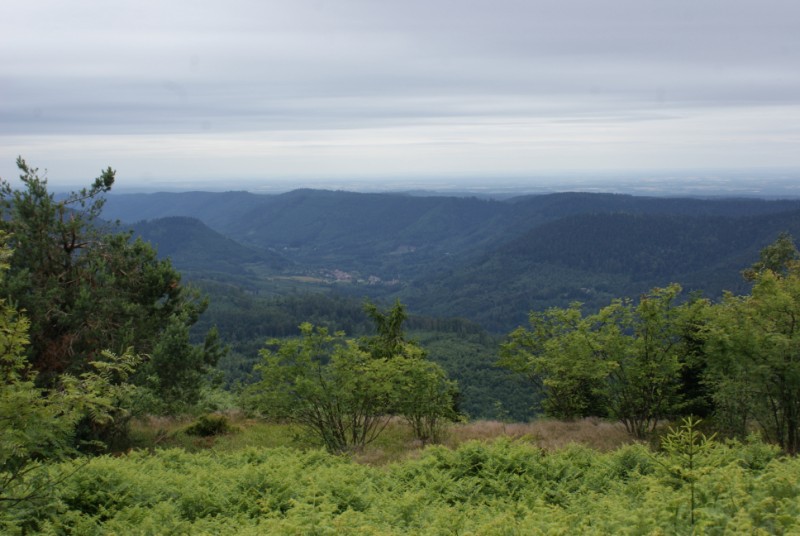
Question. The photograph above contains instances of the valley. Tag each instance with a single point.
(484, 260)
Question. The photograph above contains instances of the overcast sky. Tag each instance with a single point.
(306, 91)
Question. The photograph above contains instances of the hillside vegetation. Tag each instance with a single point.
(217, 418)
(276, 261)
(488, 261)
(694, 486)
(196, 248)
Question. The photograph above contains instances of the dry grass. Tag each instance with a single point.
(545, 433)
(396, 443)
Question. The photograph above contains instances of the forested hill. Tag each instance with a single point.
(303, 215)
(559, 205)
(388, 234)
(594, 258)
(214, 208)
(489, 261)
(195, 247)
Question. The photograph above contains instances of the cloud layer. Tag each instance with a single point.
(315, 89)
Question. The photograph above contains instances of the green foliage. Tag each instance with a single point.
(649, 345)
(776, 257)
(558, 357)
(30, 428)
(210, 425)
(423, 395)
(47, 241)
(480, 488)
(754, 361)
(389, 340)
(328, 385)
(485, 391)
(345, 391)
(86, 289)
(689, 454)
(624, 361)
(38, 425)
(466, 352)
(176, 370)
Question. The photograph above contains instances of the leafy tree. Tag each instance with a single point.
(624, 361)
(39, 425)
(557, 355)
(648, 346)
(87, 289)
(389, 339)
(344, 391)
(326, 384)
(753, 343)
(424, 396)
(776, 257)
(176, 370)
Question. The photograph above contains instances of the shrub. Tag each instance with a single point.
(210, 425)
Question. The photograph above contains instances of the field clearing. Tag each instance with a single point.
(395, 444)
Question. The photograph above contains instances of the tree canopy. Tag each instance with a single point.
(39, 424)
(625, 361)
(753, 343)
(344, 391)
(737, 360)
(87, 288)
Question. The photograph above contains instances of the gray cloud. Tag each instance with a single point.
(239, 68)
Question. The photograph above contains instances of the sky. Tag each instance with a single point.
(245, 93)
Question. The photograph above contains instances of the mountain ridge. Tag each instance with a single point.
(486, 260)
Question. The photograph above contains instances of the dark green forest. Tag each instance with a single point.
(487, 261)
(337, 320)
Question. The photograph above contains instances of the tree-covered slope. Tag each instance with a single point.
(397, 233)
(194, 247)
(490, 261)
(215, 209)
(386, 234)
(382, 234)
(594, 258)
(559, 205)
(648, 246)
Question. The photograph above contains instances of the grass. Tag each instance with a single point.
(396, 443)
(170, 432)
(547, 434)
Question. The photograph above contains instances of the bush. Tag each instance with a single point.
(210, 425)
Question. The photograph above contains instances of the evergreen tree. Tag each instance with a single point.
(38, 425)
(87, 289)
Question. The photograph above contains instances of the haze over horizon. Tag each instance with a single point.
(441, 95)
(778, 184)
